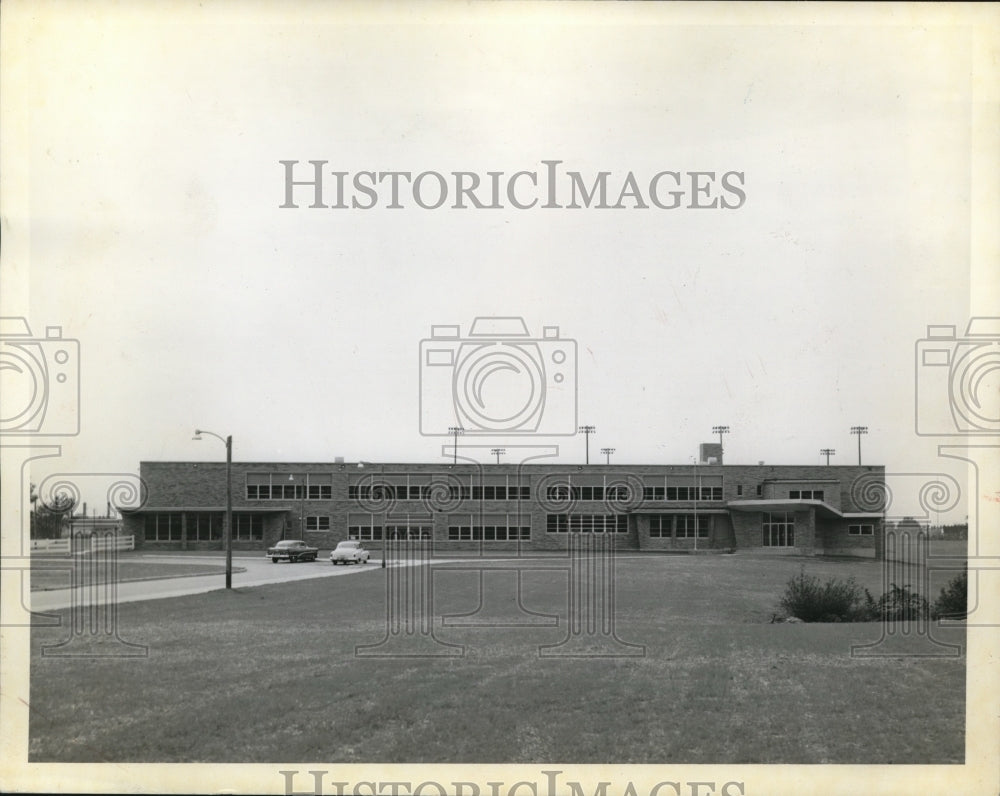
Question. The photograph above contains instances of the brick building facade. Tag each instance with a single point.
(832, 510)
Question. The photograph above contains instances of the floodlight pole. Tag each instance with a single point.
(720, 430)
(587, 431)
(455, 431)
(607, 454)
(828, 452)
(228, 441)
(859, 430)
(498, 452)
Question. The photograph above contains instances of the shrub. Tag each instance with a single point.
(900, 604)
(834, 601)
(953, 601)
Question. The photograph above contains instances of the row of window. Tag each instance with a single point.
(586, 523)
(564, 492)
(426, 491)
(561, 492)
(167, 526)
(289, 492)
(678, 526)
(377, 532)
(682, 493)
(487, 533)
(778, 528)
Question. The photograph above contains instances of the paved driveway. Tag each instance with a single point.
(259, 572)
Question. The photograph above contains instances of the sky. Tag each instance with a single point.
(149, 228)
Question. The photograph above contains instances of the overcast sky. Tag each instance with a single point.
(152, 231)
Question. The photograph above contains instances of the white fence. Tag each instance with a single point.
(92, 545)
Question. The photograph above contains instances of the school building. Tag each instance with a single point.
(804, 509)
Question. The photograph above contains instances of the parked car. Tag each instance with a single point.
(292, 550)
(349, 552)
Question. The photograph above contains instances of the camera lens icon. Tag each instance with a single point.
(958, 380)
(975, 387)
(39, 381)
(498, 380)
(499, 388)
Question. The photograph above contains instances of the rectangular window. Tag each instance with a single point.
(620, 493)
(408, 531)
(686, 525)
(864, 529)
(317, 523)
(248, 527)
(653, 493)
(258, 486)
(778, 529)
(659, 526)
(203, 527)
(163, 527)
(364, 532)
(739, 490)
(805, 494)
(557, 493)
(760, 490)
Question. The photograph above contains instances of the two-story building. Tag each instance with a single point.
(805, 509)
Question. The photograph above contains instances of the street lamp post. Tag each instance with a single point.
(697, 489)
(607, 454)
(859, 430)
(379, 486)
(828, 452)
(587, 431)
(228, 442)
(455, 431)
(302, 505)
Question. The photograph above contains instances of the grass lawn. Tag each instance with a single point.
(270, 674)
(53, 572)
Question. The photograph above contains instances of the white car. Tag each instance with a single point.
(349, 552)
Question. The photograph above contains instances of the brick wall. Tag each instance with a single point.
(175, 486)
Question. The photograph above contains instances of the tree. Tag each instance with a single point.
(49, 518)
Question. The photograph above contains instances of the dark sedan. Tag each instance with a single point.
(292, 550)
